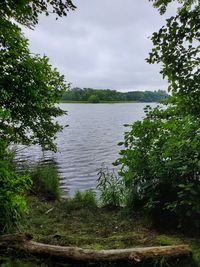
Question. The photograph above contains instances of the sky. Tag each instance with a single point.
(103, 44)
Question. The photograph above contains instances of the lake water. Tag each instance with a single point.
(90, 140)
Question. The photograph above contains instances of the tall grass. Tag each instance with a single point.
(85, 199)
(112, 188)
(46, 181)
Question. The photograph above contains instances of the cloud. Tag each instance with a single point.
(103, 44)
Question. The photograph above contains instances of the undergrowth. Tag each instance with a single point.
(80, 222)
(45, 179)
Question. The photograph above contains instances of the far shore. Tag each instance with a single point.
(102, 102)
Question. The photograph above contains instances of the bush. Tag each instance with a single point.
(161, 165)
(12, 189)
(112, 189)
(46, 181)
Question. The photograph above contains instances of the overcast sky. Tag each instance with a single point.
(102, 44)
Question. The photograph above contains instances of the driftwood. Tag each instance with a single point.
(134, 255)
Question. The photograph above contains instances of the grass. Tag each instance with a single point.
(46, 181)
(82, 200)
(80, 222)
(70, 223)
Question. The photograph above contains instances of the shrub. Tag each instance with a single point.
(161, 165)
(12, 189)
(111, 186)
(46, 181)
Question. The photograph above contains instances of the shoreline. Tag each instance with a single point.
(104, 102)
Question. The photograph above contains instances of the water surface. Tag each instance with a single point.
(90, 140)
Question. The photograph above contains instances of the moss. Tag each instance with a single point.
(165, 240)
(196, 254)
(195, 247)
(21, 261)
(194, 244)
(86, 225)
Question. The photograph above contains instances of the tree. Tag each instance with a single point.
(162, 4)
(176, 46)
(78, 94)
(29, 90)
(160, 163)
(29, 86)
(93, 99)
(27, 12)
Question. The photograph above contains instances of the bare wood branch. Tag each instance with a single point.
(22, 242)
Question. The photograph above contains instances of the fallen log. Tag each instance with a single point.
(135, 255)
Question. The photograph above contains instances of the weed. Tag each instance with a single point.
(111, 187)
(46, 181)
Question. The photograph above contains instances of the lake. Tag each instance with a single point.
(89, 141)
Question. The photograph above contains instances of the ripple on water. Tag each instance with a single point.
(90, 140)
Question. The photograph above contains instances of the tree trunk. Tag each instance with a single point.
(135, 255)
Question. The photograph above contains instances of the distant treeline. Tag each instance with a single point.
(98, 95)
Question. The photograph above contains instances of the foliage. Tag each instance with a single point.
(112, 188)
(29, 89)
(162, 4)
(12, 188)
(93, 99)
(196, 255)
(161, 163)
(28, 83)
(27, 12)
(176, 46)
(99, 95)
(11, 262)
(46, 181)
